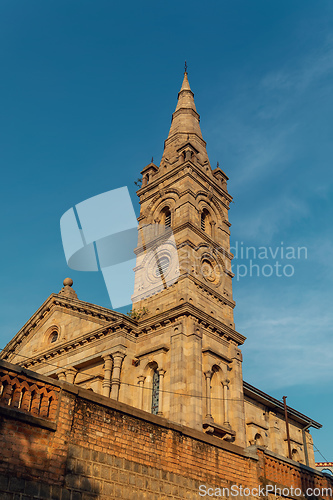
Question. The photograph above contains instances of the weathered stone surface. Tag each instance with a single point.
(91, 431)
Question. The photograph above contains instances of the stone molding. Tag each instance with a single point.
(163, 348)
(221, 356)
(261, 425)
(78, 307)
(109, 403)
(203, 179)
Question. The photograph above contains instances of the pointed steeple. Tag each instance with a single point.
(185, 125)
(186, 96)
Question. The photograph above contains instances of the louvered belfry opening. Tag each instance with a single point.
(203, 221)
(168, 218)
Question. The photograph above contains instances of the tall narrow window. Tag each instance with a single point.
(203, 221)
(166, 217)
(155, 392)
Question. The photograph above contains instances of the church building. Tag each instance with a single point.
(177, 354)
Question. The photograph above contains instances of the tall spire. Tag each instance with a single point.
(185, 124)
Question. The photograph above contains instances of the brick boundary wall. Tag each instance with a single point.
(78, 445)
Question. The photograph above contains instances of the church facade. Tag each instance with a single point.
(178, 354)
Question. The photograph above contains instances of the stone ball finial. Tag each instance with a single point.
(68, 282)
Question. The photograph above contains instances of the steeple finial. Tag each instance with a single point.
(185, 124)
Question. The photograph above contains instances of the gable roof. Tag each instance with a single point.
(254, 393)
(70, 305)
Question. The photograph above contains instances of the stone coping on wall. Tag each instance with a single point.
(250, 452)
(128, 410)
(27, 418)
(288, 461)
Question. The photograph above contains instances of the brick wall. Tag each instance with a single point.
(77, 445)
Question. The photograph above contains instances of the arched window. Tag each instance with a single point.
(54, 337)
(52, 334)
(166, 217)
(295, 455)
(155, 392)
(205, 221)
(258, 440)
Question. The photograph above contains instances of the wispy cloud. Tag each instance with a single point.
(259, 126)
(261, 223)
(309, 70)
(291, 344)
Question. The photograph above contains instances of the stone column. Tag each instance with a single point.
(208, 376)
(141, 380)
(115, 381)
(107, 375)
(161, 373)
(70, 375)
(225, 385)
(213, 226)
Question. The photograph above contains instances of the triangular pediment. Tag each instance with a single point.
(58, 321)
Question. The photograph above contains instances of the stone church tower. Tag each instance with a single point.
(203, 362)
(177, 354)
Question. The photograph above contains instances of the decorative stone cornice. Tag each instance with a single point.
(203, 236)
(261, 425)
(186, 309)
(207, 180)
(154, 350)
(252, 393)
(220, 355)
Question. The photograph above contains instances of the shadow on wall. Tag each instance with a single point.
(34, 457)
(26, 464)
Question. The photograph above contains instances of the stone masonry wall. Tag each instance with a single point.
(59, 442)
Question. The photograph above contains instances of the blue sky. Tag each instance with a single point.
(87, 90)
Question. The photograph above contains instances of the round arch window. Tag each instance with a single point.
(53, 337)
(166, 217)
(52, 334)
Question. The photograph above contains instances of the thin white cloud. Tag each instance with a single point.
(258, 125)
(310, 69)
(274, 215)
(292, 344)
